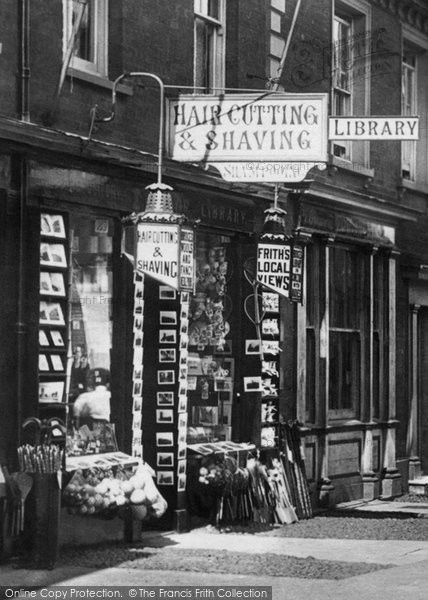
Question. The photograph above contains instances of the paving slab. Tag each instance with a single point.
(415, 509)
(397, 552)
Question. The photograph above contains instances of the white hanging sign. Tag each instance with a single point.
(158, 250)
(248, 127)
(373, 128)
(269, 172)
(273, 267)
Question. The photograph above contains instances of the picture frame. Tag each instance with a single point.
(253, 347)
(167, 355)
(270, 302)
(165, 459)
(208, 415)
(165, 477)
(138, 324)
(253, 384)
(165, 398)
(270, 347)
(164, 439)
(167, 293)
(168, 317)
(53, 255)
(182, 467)
(43, 363)
(52, 225)
(164, 416)
(57, 338)
(137, 388)
(166, 377)
(182, 405)
(224, 384)
(182, 420)
(182, 451)
(57, 285)
(51, 314)
(45, 284)
(137, 404)
(181, 484)
(43, 338)
(138, 355)
(138, 373)
(167, 336)
(57, 363)
(51, 391)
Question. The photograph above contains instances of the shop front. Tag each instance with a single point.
(184, 382)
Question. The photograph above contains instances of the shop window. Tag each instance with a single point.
(90, 300)
(408, 148)
(90, 38)
(210, 358)
(347, 309)
(209, 45)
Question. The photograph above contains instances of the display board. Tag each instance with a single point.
(53, 313)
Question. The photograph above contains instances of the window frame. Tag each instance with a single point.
(99, 43)
(215, 78)
(339, 92)
(408, 148)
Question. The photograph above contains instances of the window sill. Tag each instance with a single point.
(414, 185)
(354, 167)
(99, 81)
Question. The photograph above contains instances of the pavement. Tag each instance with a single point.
(405, 578)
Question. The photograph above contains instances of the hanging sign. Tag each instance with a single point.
(248, 127)
(272, 172)
(273, 267)
(157, 255)
(373, 128)
(296, 290)
(187, 264)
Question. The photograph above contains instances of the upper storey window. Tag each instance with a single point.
(85, 28)
(209, 45)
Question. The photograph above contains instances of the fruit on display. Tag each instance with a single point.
(98, 490)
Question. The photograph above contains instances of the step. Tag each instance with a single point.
(419, 486)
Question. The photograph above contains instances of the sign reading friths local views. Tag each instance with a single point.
(248, 127)
(157, 255)
(373, 128)
(273, 267)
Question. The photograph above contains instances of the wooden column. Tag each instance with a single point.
(322, 407)
(391, 483)
(413, 441)
(370, 480)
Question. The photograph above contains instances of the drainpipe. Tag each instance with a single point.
(24, 73)
(24, 109)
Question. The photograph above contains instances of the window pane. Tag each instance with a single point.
(91, 298)
(345, 289)
(344, 386)
(84, 43)
(310, 375)
(204, 37)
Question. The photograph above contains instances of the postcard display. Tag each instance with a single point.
(270, 369)
(54, 268)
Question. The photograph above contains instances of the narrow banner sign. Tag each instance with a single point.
(273, 267)
(187, 266)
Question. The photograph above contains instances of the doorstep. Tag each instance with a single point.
(419, 486)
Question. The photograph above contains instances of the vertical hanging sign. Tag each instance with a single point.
(296, 291)
(187, 266)
(158, 248)
(274, 267)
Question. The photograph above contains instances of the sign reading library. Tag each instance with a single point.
(248, 127)
(273, 267)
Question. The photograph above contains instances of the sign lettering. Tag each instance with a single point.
(273, 267)
(259, 127)
(158, 251)
(374, 128)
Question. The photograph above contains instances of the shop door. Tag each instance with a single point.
(423, 390)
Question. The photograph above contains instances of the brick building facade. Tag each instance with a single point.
(351, 368)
